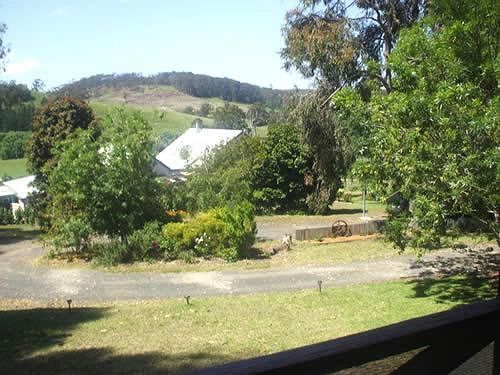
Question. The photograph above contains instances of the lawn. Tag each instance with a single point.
(349, 211)
(171, 336)
(13, 168)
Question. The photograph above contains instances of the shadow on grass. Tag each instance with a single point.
(104, 361)
(457, 289)
(11, 234)
(467, 278)
(255, 253)
(345, 211)
(23, 332)
(467, 262)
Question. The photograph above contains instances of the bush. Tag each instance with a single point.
(344, 195)
(347, 196)
(18, 216)
(6, 216)
(144, 244)
(221, 232)
(75, 234)
(13, 144)
(111, 253)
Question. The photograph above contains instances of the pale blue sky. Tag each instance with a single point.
(61, 40)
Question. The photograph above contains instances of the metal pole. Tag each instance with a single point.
(364, 202)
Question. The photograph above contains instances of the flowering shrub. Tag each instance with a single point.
(221, 232)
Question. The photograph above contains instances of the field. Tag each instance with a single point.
(13, 168)
(171, 336)
(161, 97)
(161, 121)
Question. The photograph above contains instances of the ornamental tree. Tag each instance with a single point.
(108, 183)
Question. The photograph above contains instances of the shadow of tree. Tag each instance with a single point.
(345, 211)
(255, 253)
(460, 290)
(480, 262)
(23, 333)
(11, 234)
(104, 361)
(465, 277)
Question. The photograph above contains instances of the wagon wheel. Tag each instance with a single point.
(340, 228)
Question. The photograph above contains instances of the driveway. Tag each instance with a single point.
(20, 279)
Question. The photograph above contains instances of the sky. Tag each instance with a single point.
(63, 40)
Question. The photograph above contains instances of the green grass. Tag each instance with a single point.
(170, 336)
(163, 96)
(13, 168)
(301, 254)
(171, 122)
(262, 131)
(349, 211)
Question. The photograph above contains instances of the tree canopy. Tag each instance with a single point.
(54, 122)
(341, 43)
(436, 135)
(230, 116)
(107, 183)
(198, 85)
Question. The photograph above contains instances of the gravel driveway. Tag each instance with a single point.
(20, 279)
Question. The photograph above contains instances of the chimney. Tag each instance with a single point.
(198, 124)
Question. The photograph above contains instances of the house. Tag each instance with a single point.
(188, 150)
(15, 192)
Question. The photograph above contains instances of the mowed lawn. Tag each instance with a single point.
(13, 168)
(171, 336)
(351, 212)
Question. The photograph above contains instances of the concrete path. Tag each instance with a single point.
(19, 279)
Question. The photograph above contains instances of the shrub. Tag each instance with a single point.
(221, 232)
(347, 196)
(239, 230)
(110, 253)
(13, 144)
(200, 235)
(6, 216)
(74, 233)
(18, 216)
(144, 244)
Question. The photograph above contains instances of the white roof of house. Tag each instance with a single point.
(21, 186)
(190, 146)
(5, 191)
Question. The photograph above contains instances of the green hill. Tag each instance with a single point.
(13, 168)
(163, 119)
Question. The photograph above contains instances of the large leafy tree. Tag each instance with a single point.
(344, 46)
(257, 115)
(341, 42)
(109, 183)
(16, 107)
(230, 116)
(226, 174)
(437, 134)
(284, 178)
(53, 123)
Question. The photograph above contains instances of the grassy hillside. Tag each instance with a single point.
(13, 168)
(162, 121)
(161, 97)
